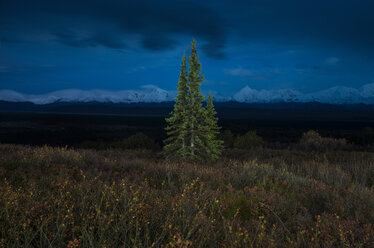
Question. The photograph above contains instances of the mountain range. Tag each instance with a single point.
(151, 93)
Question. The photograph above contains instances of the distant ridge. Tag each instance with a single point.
(148, 94)
(153, 94)
(334, 95)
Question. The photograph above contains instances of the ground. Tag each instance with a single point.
(289, 197)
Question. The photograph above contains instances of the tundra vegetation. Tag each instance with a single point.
(257, 197)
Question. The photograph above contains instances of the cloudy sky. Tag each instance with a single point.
(118, 44)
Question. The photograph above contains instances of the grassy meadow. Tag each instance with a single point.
(261, 197)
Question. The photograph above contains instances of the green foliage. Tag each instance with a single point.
(248, 141)
(312, 140)
(196, 114)
(213, 144)
(176, 143)
(192, 129)
(242, 206)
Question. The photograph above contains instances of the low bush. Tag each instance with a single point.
(248, 141)
(137, 141)
(312, 140)
(60, 197)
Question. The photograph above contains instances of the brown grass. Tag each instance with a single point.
(59, 197)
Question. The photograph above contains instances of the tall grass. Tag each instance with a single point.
(59, 197)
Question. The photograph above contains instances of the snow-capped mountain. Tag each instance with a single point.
(265, 96)
(151, 93)
(148, 93)
(12, 96)
(334, 95)
(367, 92)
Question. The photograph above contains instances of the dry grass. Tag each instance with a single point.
(58, 197)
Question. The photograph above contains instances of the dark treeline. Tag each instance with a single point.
(281, 126)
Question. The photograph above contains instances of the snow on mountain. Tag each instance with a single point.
(334, 95)
(344, 95)
(250, 95)
(155, 94)
(247, 95)
(11, 96)
(151, 93)
(367, 92)
(217, 97)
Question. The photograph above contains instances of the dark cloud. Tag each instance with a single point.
(346, 24)
(214, 50)
(70, 39)
(5, 39)
(107, 40)
(157, 43)
(311, 42)
(166, 19)
(73, 39)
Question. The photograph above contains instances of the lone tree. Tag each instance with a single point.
(192, 129)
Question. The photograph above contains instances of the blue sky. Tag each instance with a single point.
(115, 45)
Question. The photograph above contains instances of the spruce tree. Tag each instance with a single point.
(176, 143)
(214, 145)
(194, 118)
(192, 129)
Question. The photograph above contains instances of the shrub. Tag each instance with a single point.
(228, 138)
(366, 136)
(248, 141)
(137, 141)
(368, 130)
(97, 145)
(272, 198)
(311, 137)
(312, 140)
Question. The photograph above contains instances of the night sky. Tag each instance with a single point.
(48, 45)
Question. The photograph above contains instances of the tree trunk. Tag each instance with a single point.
(192, 145)
(192, 142)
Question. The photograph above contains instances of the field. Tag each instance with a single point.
(277, 194)
(59, 197)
